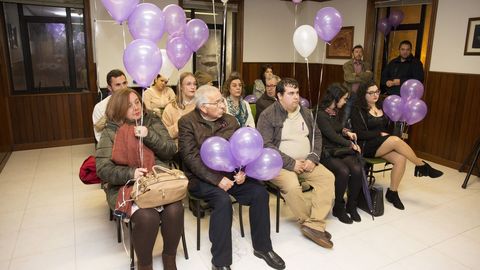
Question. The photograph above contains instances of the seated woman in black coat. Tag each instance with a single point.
(347, 168)
(370, 124)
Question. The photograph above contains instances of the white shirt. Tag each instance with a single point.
(98, 113)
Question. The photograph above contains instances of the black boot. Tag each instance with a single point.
(352, 210)
(339, 212)
(392, 196)
(427, 170)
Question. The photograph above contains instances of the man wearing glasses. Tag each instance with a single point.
(215, 187)
(289, 128)
(267, 98)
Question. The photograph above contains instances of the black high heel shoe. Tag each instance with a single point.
(340, 213)
(427, 170)
(392, 196)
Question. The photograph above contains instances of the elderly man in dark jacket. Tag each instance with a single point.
(215, 187)
(289, 128)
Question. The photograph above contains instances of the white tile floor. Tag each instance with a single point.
(50, 220)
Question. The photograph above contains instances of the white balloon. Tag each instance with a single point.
(167, 66)
(305, 40)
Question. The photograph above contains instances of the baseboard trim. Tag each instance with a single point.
(3, 160)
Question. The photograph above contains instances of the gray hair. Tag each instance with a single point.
(202, 93)
(273, 77)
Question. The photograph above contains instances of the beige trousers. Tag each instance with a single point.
(309, 214)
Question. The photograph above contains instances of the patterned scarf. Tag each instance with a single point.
(239, 112)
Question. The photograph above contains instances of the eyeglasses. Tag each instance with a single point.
(374, 93)
(218, 103)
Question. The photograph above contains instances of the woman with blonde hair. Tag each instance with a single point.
(183, 104)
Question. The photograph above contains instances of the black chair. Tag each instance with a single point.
(119, 225)
(132, 251)
(369, 166)
(198, 202)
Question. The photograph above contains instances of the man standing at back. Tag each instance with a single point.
(289, 128)
(116, 80)
(401, 69)
(355, 71)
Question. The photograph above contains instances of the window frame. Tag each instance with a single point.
(29, 75)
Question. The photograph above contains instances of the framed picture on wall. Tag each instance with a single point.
(341, 46)
(472, 41)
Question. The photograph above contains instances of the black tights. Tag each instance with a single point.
(347, 171)
(145, 229)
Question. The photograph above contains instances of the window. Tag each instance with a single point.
(46, 48)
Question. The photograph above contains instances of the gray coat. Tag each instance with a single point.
(270, 125)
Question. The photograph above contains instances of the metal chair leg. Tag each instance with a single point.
(240, 217)
(277, 221)
(119, 229)
(132, 251)
(198, 225)
(184, 243)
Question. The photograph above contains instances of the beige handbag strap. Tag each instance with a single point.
(175, 173)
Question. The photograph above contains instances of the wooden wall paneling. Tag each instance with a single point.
(6, 136)
(61, 117)
(68, 120)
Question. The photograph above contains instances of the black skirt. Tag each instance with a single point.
(371, 146)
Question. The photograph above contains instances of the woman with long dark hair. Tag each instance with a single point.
(370, 124)
(339, 154)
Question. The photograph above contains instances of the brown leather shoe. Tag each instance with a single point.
(317, 236)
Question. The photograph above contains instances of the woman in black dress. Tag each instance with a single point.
(370, 124)
(346, 168)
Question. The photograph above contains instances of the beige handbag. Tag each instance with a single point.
(160, 188)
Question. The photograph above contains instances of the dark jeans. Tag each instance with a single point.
(348, 172)
(250, 193)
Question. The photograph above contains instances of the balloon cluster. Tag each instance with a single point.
(385, 25)
(409, 107)
(146, 23)
(327, 23)
(245, 149)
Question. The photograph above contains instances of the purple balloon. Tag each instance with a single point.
(384, 26)
(266, 167)
(411, 89)
(304, 102)
(215, 154)
(147, 21)
(120, 10)
(328, 23)
(393, 107)
(175, 18)
(246, 145)
(415, 110)
(196, 34)
(252, 99)
(143, 60)
(395, 17)
(178, 52)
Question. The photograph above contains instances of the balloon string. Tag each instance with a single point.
(318, 95)
(124, 42)
(215, 37)
(308, 81)
(224, 41)
(95, 50)
(140, 141)
(294, 53)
